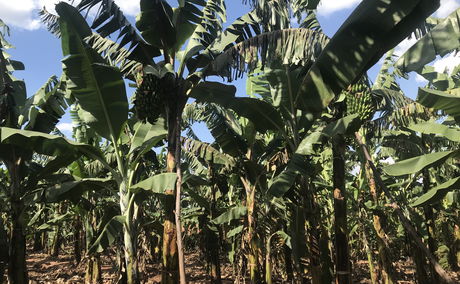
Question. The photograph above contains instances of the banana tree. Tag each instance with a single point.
(146, 49)
(103, 103)
(23, 134)
(205, 46)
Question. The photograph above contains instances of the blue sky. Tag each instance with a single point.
(40, 51)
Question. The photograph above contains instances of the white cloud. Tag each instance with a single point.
(129, 7)
(447, 7)
(65, 126)
(24, 13)
(327, 7)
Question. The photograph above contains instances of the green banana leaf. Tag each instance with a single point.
(233, 213)
(203, 33)
(46, 144)
(442, 39)
(437, 193)
(155, 23)
(50, 224)
(73, 190)
(109, 233)
(298, 165)
(147, 135)
(448, 103)
(157, 183)
(416, 164)
(262, 114)
(450, 133)
(200, 200)
(98, 87)
(208, 153)
(235, 231)
(373, 28)
(440, 81)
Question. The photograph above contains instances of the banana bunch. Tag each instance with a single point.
(359, 100)
(149, 98)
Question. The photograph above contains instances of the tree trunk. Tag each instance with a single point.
(132, 274)
(38, 241)
(177, 212)
(385, 263)
(170, 273)
(77, 239)
(370, 259)
(342, 255)
(457, 245)
(3, 250)
(213, 241)
(253, 256)
(57, 241)
(326, 259)
(17, 267)
(299, 246)
(93, 271)
(129, 234)
(313, 217)
(420, 265)
(268, 262)
(430, 226)
(288, 261)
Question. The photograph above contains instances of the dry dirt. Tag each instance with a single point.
(45, 269)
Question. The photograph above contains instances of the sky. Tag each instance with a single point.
(40, 51)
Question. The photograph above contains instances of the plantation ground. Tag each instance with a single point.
(45, 269)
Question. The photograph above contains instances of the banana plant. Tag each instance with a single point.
(25, 124)
(208, 52)
(103, 105)
(198, 54)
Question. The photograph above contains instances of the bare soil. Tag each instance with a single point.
(46, 269)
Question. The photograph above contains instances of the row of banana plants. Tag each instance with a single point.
(290, 189)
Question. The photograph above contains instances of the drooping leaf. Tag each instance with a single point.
(111, 231)
(283, 182)
(241, 29)
(225, 129)
(57, 220)
(298, 165)
(109, 20)
(46, 144)
(157, 184)
(155, 23)
(235, 231)
(97, 86)
(200, 200)
(450, 133)
(261, 113)
(147, 135)
(416, 164)
(450, 104)
(205, 32)
(233, 213)
(437, 193)
(373, 28)
(277, 48)
(73, 190)
(207, 152)
(440, 40)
